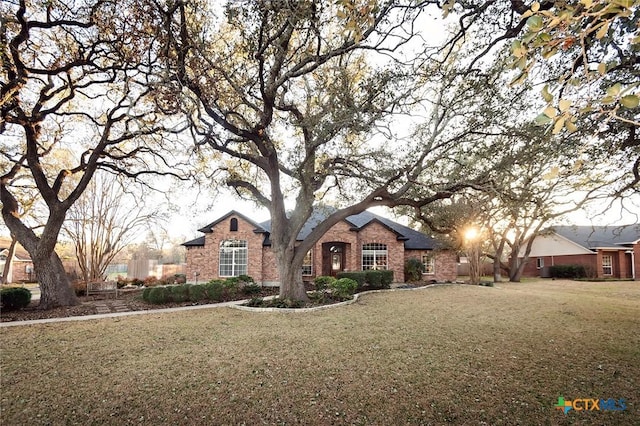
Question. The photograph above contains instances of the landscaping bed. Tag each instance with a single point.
(132, 299)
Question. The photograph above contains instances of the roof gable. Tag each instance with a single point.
(399, 236)
(208, 228)
(20, 253)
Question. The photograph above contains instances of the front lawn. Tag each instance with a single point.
(447, 354)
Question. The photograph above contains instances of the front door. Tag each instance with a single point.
(333, 256)
(336, 263)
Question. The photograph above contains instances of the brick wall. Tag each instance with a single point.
(446, 267)
(205, 260)
(591, 262)
(269, 266)
(375, 232)
(262, 263)
(340, 232)
(19, 271)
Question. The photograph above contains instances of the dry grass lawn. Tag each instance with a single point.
(449, 354)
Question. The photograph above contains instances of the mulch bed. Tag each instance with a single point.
(131, 298)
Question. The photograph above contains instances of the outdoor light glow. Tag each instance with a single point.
(471, 234)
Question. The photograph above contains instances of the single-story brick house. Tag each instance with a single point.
(604, 251)
(235, 244)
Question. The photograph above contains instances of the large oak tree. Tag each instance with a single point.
(77, 77)
(304, 103)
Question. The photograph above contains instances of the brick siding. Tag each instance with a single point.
(262, 263)
(620, 261)
(446, 268)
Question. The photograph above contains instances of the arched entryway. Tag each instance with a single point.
(334, 258)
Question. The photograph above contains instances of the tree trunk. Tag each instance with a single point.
(291, 284)
(473, 257)
(54, 285)
(55, 289)
(7, 272)
(515, 269)
(497, 271)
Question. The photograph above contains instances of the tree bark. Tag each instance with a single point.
(291, 284)
(497, 271)
(55, 288)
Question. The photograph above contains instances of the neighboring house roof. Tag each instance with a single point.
(600, 237)
(20, 255)
(413, 240)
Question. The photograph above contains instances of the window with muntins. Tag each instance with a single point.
(607, 265)
(307, 264)
(233, 258)
(429, 263)
(374, 256)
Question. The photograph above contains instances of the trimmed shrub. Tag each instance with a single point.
(567, 271)
(179, 293)
(413, 269)
(231, 287)
(374, 279)
(358, 276)
(14, 298)
(323, 282)
(197, 292)
(344, 288)
(255, 302)
(245, 279)
(276, 303)
(251, 289)
(215, 290)
(158, 295)
(387, 278)
(145, 294)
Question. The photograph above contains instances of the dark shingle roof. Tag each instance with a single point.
(593, 237)
(195, 243)
(413, 240)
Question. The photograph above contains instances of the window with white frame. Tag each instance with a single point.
(607, 265)
(233, 258)
(307, 264)
(540, 262)
(374, 256)
(429, 264)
